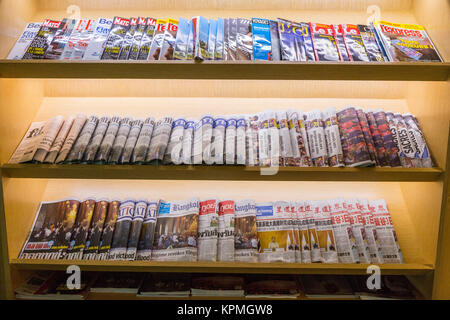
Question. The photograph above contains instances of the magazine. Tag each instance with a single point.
(354, 43)
(82, 41)
(80, 230)
(208, 224)
(168, 45)
(176, 231)
(244, 44)
(218, 51)
(122, 228)
(160, 140)
(262, 49)
(158, 39)
(245, 232)
(225, 243)
(146, 239)
(24, 41)
(40, 43)
(77, 126)
(140, 210)
(96, 45)
(108, 230)
(147, 39)
(325, 234)
(324, 42)
(191, 41)
(212, 38)
(115, 39)
(370, 43)
(137, 38)
(60, 40)
(95, 230)
(287, 41)
(128, 39)
(308, 42)
(226, 32)
(232, 44)
(275, 40)
(181, 41)
(358, 230)
(340, 42)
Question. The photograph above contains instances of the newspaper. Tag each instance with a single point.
(241, 148)
(263, 139)
(77, 151)
(174, 148)
(381, 157)
(80, 230)
(273, 138)
(316, 138)
(128, 39)
(188, 141)
(95, 230)
(316, 255)
(275, 232)
(286, 152)
(354, 43)
(245, 232)
(60, 40)
(340, 42)
(135, 130)
(327, 242)
(418, 139)
(143, 142)
(218, 51)
(160, 139)
(77, 126)
(201, 148)
(119, 243)
(41, 42)
(251, 142)
(176, 231)
(218, 140)
(96, 45)
(108, 230)
(208, 227)
(299, 148)
(137, 38)
(27, 148)
(181, 41)
(115, 39)
(49, 135)
(230, 140)
(345, 240)
(365, 127)
(304, 239)
(147, 39)
(295, 222)
(333, 138)
(408, 146)
(325, 48)
(140, 211)
(225, 244)
(25, 39)
(386, 134)
(212, 38)
(96, 140)
(59, 140)
(406, 163)
(108, 140)
(158, 39)
(120, 140)
(390, 249)
(168, 45)
(146, 239)
(371, 232)
(359, 232)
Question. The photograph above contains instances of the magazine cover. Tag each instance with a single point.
(208, 227)
(128, 39)
(116, 35)
(82, 40)
(340, 42)
(287, 41)
(406, 42)
(188, 141)
(173, 151)
(137, 38)
(122, 230)
(95, 230)
(181, 41)
(232, 44)
(27, 147)
(308, 42)
(120, 140)
(51, 130)
(25, 39)
(77, 126)
(345, 240)
(418, 139)
(218, 51)
(275, 40)
(105, 148)
(147, 39)
(60, 40)
(225, 243)
(354, 43)
(371, 232)
(191, 41)
(316, 255)
(160, 139)
(143, 141)
(226, 32)
(324, 42)
(176, 231)
(359, 232)
(96, 140)
(316, 138)
(108, 230)
(59, 140)
(212, 39)
(390, 249)
(74, 38)
(325, 234)
(370, 43)
(364, 123)
(378, 142)
(386, 134)
(245, 232)
(218, 140)
(96, 46)
(158, 39)
(244, 43)
(201, 33)
(230, 141)
(304, 239)
(80, 230)
(333, 138)
(77, 151)
(140, 211)
(147, 236)
(41, 42)
(168, 45)
(262, 45)
(275, 232)
(356, 153)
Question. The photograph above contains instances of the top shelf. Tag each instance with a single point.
(235, 70)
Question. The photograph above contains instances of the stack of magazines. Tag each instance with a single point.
(51, 285)
(329, 231)
(349, 137)
(229, 39)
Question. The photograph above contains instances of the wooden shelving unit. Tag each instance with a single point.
(36, 90)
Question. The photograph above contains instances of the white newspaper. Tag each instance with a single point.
(371, 232)
(72, 136)
(140, 211)
(301, 123)
(143, 142)
(96, 140)
(77, 151)
(188, 141)
(218, 140)
(316, 254)
(160, 139)
(208, 224)
(327, 242)
(145, 244)
(316, 138)
(359, 232)
(120, 140)
(51, 130)
(303, 233)
(31, 30)
(301, 158)
(225, 244)
(245, 232)
(333, 138)
(133, 136)
(108, 140)
(27, 148)
(96, 46)
(286, 152)
(274, 139)
(230, 141)
(59, 140)
(241, 140)
(174, 148)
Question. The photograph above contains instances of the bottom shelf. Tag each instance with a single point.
(221, 267)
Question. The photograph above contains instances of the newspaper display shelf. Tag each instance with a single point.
(419, 199)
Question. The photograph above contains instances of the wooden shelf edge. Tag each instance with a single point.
(244, 70)
(220, 267)
(204, 172)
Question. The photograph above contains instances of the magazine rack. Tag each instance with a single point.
(418, 199)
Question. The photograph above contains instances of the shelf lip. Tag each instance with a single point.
(243, 70)
(224, 172)
(220, 267)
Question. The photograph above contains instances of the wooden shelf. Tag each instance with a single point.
(280, 70)
(204, 172)
(220, 267)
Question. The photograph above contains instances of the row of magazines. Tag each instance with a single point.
(48, 285)
(332, 231)
(349, 137)
(222, 39)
